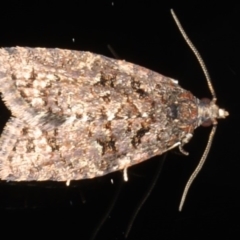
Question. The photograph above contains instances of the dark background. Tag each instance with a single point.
(142, 32)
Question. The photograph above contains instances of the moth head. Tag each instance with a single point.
(209, 112)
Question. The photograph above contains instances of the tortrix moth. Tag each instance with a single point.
(78, 115)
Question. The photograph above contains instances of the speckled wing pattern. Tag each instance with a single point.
(79, 115)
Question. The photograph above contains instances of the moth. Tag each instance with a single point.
(77, 115)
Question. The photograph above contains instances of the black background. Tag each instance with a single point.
(142, 32)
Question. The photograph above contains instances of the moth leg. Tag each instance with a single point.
(68, 182)
(125, 175)
(183, 142)
(182, 150)
(9, 137)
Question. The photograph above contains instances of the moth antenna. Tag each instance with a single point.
(197, 54)
(209, 143)
(145, 197)
(198, 168)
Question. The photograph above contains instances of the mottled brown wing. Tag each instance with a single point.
(81, 115)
